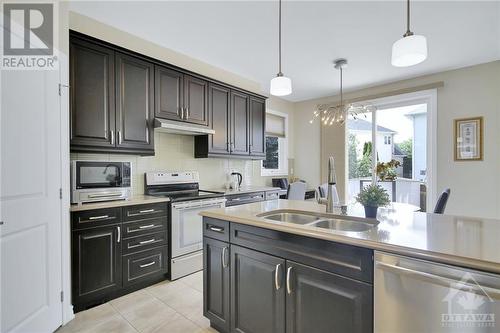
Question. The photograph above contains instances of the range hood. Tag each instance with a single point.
(176, 127)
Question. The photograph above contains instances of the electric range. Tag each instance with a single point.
(185, 223)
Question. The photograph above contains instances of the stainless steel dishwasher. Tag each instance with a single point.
(417, 296)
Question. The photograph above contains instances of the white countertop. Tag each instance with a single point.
(134, 200)
(246, 189)
(462, 241)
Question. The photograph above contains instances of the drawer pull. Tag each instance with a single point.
(149, 226)
(216, 229)
(147, 241)
(148, 264)
(146, 211)
(102, 217)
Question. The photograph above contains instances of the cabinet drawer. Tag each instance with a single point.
(144, 242)
(132, 229)
(347, 260)
(133, 213)
(95, 218)
(144, 265)
(216, 229)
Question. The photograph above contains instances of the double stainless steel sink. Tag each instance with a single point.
(320, 220)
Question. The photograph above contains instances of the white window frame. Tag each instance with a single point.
(428, 97)
(282, 151)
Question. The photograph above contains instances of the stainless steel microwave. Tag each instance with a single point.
(93, 181)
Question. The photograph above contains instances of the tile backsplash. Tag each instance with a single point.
(176, 153)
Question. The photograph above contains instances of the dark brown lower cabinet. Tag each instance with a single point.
(270, 292)
(216, 284)
(324, 302)
(96, 262)
(257, 292)
(112, 257)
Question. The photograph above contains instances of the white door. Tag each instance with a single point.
(30, 237)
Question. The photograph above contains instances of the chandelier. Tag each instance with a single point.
(330, 114)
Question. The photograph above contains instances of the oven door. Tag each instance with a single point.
(187, 228)
(100, 174)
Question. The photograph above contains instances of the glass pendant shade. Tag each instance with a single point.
(409, 51)
(281, 86)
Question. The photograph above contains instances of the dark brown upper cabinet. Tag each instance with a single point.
(219, 99)
(117, 93)
(169, 85)
(195, 100)
(181, 97)
(112, 96)
(240, 121)
(257, 127)
(134, 102)
(92, 93)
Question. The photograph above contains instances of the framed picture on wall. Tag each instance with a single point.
(469, 139)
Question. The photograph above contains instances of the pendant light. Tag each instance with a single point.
(330, 114)
(280, 85)
(411, 49)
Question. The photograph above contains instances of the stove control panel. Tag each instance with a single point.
(162, 178)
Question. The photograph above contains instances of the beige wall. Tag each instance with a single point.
(467, 92)
(176, 152)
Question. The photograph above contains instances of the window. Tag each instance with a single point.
(387, 139)
(276, 162)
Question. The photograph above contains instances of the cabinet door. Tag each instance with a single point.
(257, 127)
(168, 93)
(195, 100)
(96, 263)
(239, 123)
(134, 102)
(218, 112)
(216, 281)
(257, 292)
(92, 94)
(320, 302)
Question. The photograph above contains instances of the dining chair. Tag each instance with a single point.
(442, 201)
(296, 191)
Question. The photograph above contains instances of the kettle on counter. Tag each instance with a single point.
(236, 182)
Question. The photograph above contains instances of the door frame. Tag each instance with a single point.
(428, 97)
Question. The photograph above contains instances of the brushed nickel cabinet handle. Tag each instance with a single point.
(216, 229)
(149, 226)
(147, 241)
(276, 277)
(187, 112)
(112, 136)
(148, 264)
(119, 234)
(119, 137)
(224, 262)
(92, 218)
(146, 211)
(288, 284)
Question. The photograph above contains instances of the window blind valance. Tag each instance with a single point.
(275, 125)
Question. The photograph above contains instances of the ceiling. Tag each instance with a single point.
(242, 37)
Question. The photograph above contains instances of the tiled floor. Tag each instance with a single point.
(166, 307)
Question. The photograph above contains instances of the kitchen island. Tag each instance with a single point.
(262, 274)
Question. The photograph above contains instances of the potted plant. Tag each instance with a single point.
(387, 171)
(372, 197)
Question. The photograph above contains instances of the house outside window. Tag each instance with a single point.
(276, 162)
(387, 140)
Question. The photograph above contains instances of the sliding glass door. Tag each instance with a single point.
(389, 146)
